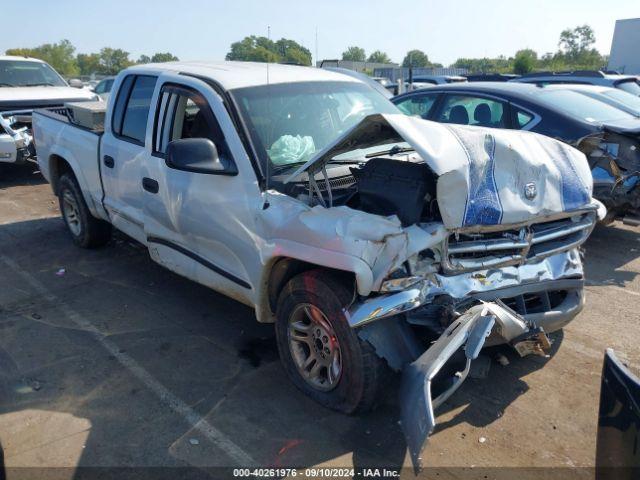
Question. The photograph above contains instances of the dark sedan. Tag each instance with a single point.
(608, 136)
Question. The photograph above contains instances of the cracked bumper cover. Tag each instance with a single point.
(468, 332)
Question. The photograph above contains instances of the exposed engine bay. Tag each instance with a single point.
(385, 186)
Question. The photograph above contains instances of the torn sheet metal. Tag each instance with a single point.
(468, 332)
(381, 242)
(487, 176)
(562, 266)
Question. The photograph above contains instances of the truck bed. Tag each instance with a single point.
(56, 138)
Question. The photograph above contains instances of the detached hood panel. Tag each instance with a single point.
(486, 176)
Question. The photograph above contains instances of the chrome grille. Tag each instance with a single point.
(478, 251)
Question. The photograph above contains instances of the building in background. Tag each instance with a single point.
(625, 48)
(364, 67)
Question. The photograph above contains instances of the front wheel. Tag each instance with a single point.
(321, 353)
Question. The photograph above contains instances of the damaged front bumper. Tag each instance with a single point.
(500, 294)
(559, 272)
(468, 332)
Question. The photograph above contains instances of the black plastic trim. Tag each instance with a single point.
(200, 260)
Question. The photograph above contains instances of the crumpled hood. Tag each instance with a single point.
(486, 176)
(23, 96)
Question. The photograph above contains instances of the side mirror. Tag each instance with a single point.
(76, 83)
(198, 155)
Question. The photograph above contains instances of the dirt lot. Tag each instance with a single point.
(108, 360)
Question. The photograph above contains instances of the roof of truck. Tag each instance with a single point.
(17, 57)
(233, 75)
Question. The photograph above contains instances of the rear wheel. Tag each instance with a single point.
(86, 230)
(321, 353)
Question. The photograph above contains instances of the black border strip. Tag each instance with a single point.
(200, 260)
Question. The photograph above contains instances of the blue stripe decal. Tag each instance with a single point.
(483, 205)
(574, 193)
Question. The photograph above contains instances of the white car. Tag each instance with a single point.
(362, 233)
(25, 84)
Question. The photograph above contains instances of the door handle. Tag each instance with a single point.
(150, 185)
(109, 161)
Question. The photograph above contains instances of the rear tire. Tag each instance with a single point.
(322, 355)
(86, 231)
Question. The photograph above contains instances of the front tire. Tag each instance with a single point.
(85, 230)
(322, 355)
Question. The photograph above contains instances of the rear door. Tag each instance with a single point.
(201, 225)
(123, 151)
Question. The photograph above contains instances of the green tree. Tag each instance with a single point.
(525, 61)
(59, 55)
(416, 59)
(144, 59)
(88, 63)
(262, 49)
(354, 54)
(164, 57)
(576, 49)
(112, 60)
(575, 41)
(379, 57)
(253, 49)
(292, 52)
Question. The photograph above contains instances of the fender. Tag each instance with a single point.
(94, 204)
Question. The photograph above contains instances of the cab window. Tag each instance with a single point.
(132, 108)
(418, 105)
(472, 110)
(185, 113)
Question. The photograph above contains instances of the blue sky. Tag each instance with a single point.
(200, 29)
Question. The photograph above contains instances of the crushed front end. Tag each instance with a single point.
(470, 235)
(478, 289)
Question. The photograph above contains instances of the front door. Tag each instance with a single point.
(201, 224)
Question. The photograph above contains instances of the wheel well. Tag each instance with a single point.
(58, 166)
(284, 269)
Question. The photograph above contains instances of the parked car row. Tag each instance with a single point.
(601, 122)
(376, 237)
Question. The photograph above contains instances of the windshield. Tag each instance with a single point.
(583, 107)
(630, 86)
(631, 102)
(21, 73)
(288, 123)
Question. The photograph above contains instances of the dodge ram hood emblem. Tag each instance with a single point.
(530, 191)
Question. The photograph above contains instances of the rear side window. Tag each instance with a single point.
(419, 105)
(132, 107)
(522, 118)
(471, 110)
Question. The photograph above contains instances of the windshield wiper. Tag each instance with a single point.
(391, 151)
(3, 84)
(42, 84)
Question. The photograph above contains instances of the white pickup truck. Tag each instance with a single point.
(25, 84)
(372, 240)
